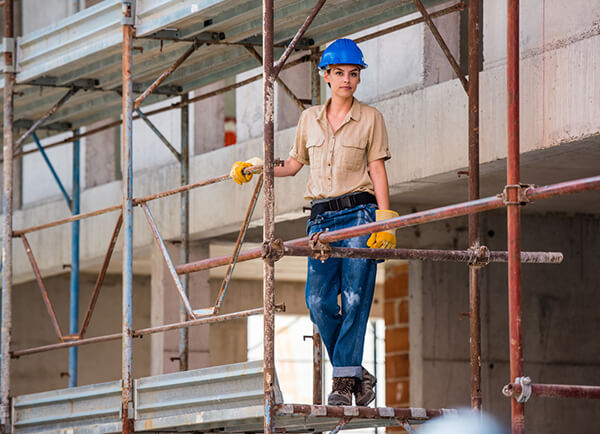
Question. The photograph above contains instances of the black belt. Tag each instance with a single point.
(341, 202)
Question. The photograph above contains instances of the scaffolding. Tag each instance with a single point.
(274, 414)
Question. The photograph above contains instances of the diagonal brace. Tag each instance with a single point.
(285, 87)
(238, 245)
(101, 275)
(440, 40)
(54, 174)
(163, 249)
(284, 57)
(160, 135)
(166, 74)
(19, 143)
(43, 290)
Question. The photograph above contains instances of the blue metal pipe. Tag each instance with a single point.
(74, 296)
(51, 167)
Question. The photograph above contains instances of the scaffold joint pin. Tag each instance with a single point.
(273, 250)
(479, 256)
(521, 189)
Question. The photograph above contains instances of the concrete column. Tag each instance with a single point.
(165, 310)
(208, 117)
(298, 80)
(102, 156)
(437, 69)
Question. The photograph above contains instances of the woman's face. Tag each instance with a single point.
(343, 79)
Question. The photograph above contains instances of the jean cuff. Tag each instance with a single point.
(348, 371)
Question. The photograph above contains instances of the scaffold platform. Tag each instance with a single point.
(225, 398)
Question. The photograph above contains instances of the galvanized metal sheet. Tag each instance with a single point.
(94, 408)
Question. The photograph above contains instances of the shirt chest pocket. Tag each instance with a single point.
(316, 153)
(354, 154)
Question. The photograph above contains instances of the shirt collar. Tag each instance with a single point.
(354, 112)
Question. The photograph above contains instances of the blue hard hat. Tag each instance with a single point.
(342, 52)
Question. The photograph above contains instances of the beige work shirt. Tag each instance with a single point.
(339, 159)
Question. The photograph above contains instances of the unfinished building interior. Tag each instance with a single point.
(479, 96)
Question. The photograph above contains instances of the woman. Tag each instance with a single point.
(345, 143)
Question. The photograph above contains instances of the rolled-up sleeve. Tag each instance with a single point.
(299, 151)
(378, 140)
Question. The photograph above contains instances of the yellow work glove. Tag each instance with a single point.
(385, 239)
(238, 167)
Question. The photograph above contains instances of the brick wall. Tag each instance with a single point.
(395, 290)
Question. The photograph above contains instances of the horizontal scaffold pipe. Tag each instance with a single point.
(557, 391)
(142, 332)
(435, 214)
(138, 201)
(426, 255)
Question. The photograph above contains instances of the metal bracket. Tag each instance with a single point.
(272, 250)
(128, 7)
(526, 389)
(320, 250)
(479, 256)
(9, 45)
(522, 198)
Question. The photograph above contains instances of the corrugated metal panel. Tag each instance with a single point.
(94, 408)
(87, 45)
(210, 396)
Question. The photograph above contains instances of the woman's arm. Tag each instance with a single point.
(290, 167)
(380, 183)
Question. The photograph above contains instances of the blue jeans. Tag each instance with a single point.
(343, 332)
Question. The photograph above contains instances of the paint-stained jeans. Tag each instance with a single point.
(343, 332)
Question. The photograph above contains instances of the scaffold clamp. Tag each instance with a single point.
(9, 45)
(479, 256)
(320, 250)
(128, 18)
(526, 389)
(273, 250)
(522, 198)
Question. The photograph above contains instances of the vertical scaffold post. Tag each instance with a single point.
(315, 82)
(127, 185)
(474, 219)
(74, 296)
(513, 213)
(7, 204)
(184, 165)
(269, 214)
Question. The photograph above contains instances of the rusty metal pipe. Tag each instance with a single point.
(303, 28)
(358, 412)
(170, 70)
(101, 275)
(139, 333)
(19, 143)
(284, 86)
(513, 213)
(440, 40)
(42, 286)
(424, 255)
(163, 250)
(474, 47)
(557, 391)
(7, 225)
(127, 203)
(184, 231)
(435, 214)
(238, 245)
(269, 75)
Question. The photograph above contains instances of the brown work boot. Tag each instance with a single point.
(364, 390)
(341, 392)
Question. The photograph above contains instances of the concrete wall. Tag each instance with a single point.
(560, 323)
(97, 363)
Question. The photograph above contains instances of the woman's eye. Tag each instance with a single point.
(354, 74)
